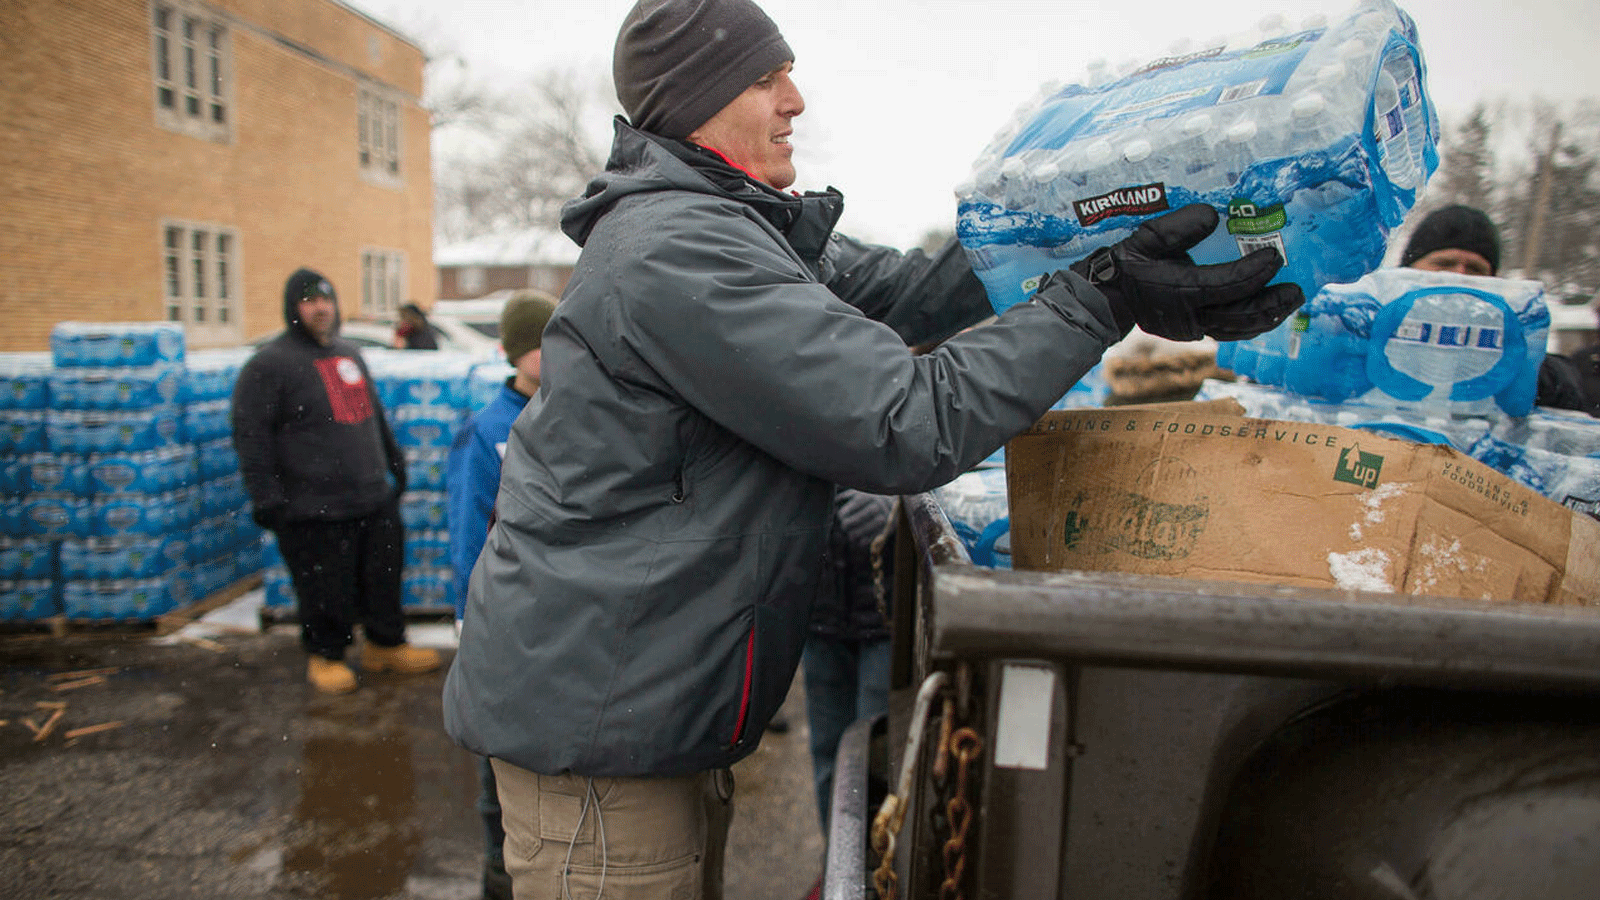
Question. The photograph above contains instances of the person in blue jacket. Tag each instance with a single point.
(473, 481)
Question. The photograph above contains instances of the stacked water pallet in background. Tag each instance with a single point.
(120, 492)
(226, 545)
(27, 560)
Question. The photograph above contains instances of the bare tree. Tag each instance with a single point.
(542, 148)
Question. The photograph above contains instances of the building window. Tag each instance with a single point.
(191, 70)
(199, 264)
(378, 134)
(382, 282)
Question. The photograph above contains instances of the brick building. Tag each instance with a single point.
(176, 160)
(540, 258)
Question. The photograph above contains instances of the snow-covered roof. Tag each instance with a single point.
(522, 247)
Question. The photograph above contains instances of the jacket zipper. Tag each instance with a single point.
(744, 695)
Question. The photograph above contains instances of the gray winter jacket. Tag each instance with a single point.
(712, 371)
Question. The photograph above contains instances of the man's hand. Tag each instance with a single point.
(1152, 281)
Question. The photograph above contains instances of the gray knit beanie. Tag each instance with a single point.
(677, 63)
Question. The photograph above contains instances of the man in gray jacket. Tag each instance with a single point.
(719, 362)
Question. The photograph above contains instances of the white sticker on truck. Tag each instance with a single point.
(1022, 740)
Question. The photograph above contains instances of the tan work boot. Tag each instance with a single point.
(330, 676)
(402, 658)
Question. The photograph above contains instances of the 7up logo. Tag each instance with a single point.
(1358, 468)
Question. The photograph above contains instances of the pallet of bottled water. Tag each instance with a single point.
(1313, 138)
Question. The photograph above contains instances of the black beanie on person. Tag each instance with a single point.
(1455, 227)
(307, 283)
(677, 63)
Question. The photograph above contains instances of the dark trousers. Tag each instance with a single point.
(347, 573)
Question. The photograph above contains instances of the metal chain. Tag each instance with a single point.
(892, 814)
(965, 747)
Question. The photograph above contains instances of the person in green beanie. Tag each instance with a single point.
(472, 482)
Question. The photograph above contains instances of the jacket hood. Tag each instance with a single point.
(642, 163)
(304, 283)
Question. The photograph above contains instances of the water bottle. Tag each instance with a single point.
(1389, 130)
(1397, 63)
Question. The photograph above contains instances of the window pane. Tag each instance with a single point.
(163, 57)
(190, 71)
(214, 61)
(199, 244)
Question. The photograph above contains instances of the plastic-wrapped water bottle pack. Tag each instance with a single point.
(1409, 339)
(1315, 139)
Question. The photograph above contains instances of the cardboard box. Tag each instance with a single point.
(1196, 490)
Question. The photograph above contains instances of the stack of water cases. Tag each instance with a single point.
(226, 544)
(28, 590)
(1311, 138)
(427, 398)
(117, 486)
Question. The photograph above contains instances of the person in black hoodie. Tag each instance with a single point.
(325, 474)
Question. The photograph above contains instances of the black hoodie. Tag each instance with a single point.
(311, 435)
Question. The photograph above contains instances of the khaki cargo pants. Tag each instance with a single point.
(635, 838)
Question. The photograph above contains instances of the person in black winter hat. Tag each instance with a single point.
(1463, 240)
(325, 474)
(720, 362)
(1454, 239)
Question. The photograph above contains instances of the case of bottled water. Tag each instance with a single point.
(27, 558)
(100, 431)
(1461, 344)
(126, 600)
(42, 473)
(424, 511)
(979, 511)
(218, 458)
(75, 344)
(28, 600)
(484, 383)
(211, 374)
(124, 388)
(138, 471)
(410, 378)
(1314, 140)
(207, 420)
(92, 559)
(431, 589)
(24, 431)
(426, 468)
(25, 380)
(55, 516)
(427, 549)
(425, 427)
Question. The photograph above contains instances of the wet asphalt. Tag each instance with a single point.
(201, 765)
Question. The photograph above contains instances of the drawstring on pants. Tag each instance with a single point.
(600, 826)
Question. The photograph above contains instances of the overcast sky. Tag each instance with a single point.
(902, 95)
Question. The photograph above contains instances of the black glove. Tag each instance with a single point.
(1152, 281)
(272, 517)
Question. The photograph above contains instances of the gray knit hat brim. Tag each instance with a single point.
(677, 63)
